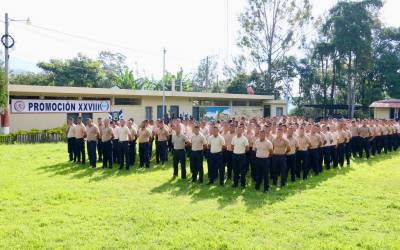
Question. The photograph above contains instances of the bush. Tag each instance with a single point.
(34, 135)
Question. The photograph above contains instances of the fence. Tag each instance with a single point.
(39, 137)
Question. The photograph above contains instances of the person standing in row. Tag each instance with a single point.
(280, 148)
(115, 127)
(93, 134)
(106, 139)
(354, 141)
(162, 134)
(144, 138)
(124, 137)
(216, 167)
(229, 133)
(100, 125)
(365, 133)
(132, 143)
(264, 151)
(304, 144)
(240, 146)
(70, 133)
(179, 140)
(291, 155)
(198, 142)
(80, 134)
(315, 141)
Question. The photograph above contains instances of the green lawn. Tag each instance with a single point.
(46, 202)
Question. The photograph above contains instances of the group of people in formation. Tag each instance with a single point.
(274, 148)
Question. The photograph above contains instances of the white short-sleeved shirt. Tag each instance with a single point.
(216, 143)
(123, 133)
(262, 148)
(239, 144)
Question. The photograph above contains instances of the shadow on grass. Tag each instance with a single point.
(226, 196)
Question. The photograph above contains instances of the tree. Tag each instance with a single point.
(114, 66)
(80, 71)
(269, 29)
(206, 74)
(3, 88)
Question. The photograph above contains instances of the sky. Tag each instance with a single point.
(188, 29)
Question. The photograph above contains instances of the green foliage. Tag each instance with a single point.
(49, 203)
(12, 137)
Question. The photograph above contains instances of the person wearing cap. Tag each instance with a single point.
(100, 125)
(132, 143)
(198, 142)
(106, 138)
(264, 151)
(144, 137)
(80, 134)
(216, 167)
(240, 146)
(281, 147)
(93, 134)
(70, 133)
(179, 157)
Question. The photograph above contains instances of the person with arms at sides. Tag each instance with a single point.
(280, 148)
(316, 142)
(328, 146)
(179, 140)
(100, 125)
(80, 134)
(303, 143)
(93, 134)
(124, 136)
(264, 150)
(229, 133)
(198, 143)
(106, 138)
(354, 141)
(240, 146)
(114, 126)
(150, 127)
(342, 140)
(162, 134)
(321, 149)
(372, 139)
(132, 143)
(216, 167)
(334, 155)
(144, 138)
(291, 155)
(70, 133)
(347, 148)
(365, 133)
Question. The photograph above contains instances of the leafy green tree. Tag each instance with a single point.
(269, 29)
(206, 74)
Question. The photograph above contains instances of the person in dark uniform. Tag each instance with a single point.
(106, 138)
(144, 135)
(228, 134)
(162, 134)
(365, 133)
(280, 148)
(354, 141)
(291, 155)
(114, 126)
(70, 133)
(179, 140)
(80, 134)
(342, 140)
(315, 141)
(216, 168)
(100, 125)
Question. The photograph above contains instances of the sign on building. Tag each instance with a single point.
(59, 106)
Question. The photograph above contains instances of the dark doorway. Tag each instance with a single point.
(159, 111)
(267, 110)
(174, 109)
(196, 113)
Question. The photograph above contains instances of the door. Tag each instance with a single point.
(267, 110)
(149, 113)
(159, 111)
(174, 110)
(86, 116)
(196, 113)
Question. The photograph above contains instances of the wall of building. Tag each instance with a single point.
(381, 113)
(275, 107)
(36, 121)
(246, 111)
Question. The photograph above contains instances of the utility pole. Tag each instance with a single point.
(206, 73)
(163, 85)
(5, 119)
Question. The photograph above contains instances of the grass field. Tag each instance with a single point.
(46, 202)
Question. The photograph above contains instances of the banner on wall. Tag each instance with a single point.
(214, 113)
(115, 115)
(59, 106)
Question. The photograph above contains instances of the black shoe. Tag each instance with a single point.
(120, 168)
(234, 186)
(103, 167)
(266, 191)
(110, 167)
(127, 169)
(210, 183)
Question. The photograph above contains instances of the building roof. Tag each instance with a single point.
(387, 103)
(33, 90)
